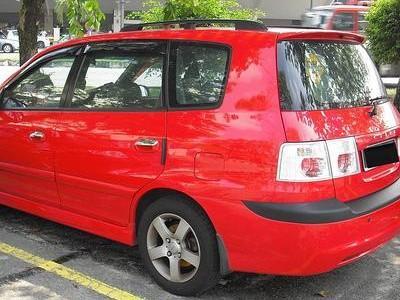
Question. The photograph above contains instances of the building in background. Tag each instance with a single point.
(283, 12)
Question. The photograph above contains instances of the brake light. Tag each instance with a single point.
(316, 161)
(344, 162)
(311, 167)
(304, 162)
(344, 157)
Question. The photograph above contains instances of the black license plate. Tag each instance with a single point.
(380, 155)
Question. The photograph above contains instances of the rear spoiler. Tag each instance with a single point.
(321, 35)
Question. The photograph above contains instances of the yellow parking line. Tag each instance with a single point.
(68, 273)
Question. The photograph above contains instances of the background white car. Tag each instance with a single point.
(42, 40)
(8, 45)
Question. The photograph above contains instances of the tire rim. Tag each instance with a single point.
(7, 48)
(173, 248)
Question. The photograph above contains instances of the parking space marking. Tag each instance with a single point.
(68, 273)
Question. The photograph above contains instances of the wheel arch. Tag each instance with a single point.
(153, 195)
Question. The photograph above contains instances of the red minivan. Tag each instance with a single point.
(216, 150)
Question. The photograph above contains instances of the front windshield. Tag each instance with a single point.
(316, 75)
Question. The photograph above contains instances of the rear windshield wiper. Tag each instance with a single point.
(378, 100)
(374, 102)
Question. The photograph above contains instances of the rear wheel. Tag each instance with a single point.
(178, 246)
(40, 45)
(7, 48)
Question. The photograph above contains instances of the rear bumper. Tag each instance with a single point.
(261, 245)
(326, 211)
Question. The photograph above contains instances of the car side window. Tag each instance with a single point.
(362, 22)
(199, 74)
(117, 79)
(344, 21)
(40, 88)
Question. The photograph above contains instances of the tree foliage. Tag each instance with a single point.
(194, 9)
(383, 33)
(383, 30)
(81, 15)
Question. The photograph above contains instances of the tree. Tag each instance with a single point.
(82, 15)
(30, 14)
(383, 33)
(194, 9)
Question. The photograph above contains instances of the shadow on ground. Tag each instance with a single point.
(374, 277)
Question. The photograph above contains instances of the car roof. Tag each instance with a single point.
(225, 36)
(210, 34)
(342, 7)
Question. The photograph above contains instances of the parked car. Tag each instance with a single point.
(351, 2)
(6, 45)
(217, 150)
(337, 17)
(42, 41)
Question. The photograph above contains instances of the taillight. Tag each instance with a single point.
(343, 155)
(316, 161)
(304, 162)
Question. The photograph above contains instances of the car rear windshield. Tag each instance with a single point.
(317, 75)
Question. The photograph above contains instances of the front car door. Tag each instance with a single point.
(30, 107)
(110, 141)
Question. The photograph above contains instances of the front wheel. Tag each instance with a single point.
(7, 48)
(178, 246)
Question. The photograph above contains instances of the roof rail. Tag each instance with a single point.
(293, 27)
(192, 24)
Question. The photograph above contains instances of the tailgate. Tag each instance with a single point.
(368, 132)
(331, 90)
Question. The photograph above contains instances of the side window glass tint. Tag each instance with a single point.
(344, 21)
(42, 88)
(117, 80)
(199, 75)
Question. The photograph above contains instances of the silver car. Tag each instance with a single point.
(8, 45)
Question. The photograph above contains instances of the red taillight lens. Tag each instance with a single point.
(311, 167)
(344, 162)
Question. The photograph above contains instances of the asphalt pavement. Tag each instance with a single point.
(108, 264)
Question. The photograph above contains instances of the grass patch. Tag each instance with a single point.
(391, 93)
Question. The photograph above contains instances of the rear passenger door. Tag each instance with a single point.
(110, 139)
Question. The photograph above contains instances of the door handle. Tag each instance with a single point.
(37, 136)
(147, 143)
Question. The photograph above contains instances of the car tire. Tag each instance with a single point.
(41, 45)
(187, 234)
(8, 48)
